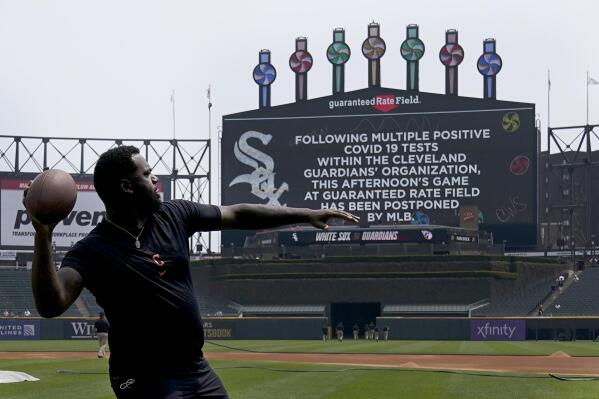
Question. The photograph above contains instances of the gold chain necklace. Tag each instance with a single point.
(137, 243)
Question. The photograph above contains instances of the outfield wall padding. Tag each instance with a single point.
(214, 328)
(426, 328)
(308, 328)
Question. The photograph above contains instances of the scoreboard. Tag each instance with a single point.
(391, 157)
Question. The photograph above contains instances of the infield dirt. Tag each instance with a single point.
(555, 363)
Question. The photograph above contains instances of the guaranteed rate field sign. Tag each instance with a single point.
(390, 156)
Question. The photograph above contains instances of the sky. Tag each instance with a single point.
(79, 68)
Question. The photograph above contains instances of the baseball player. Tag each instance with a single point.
(136, 263)
(386, 333)
(325, 333)
(339, 330)
(101, 329)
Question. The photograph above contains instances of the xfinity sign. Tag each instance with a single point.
(497, 330)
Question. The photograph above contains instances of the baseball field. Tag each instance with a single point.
(348, 370)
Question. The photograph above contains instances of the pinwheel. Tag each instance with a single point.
(412, 49)
(338, 53)
(489, 64)
(264, 74)
(300, 61)
(373, 48)
(451, 55)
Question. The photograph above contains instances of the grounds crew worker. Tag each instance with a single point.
(136, 263)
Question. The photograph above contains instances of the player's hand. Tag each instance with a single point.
(319, 218)
(39, 227)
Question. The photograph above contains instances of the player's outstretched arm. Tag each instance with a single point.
(253, 216)
(53, 291)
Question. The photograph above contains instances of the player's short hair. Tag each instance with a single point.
(111, 167)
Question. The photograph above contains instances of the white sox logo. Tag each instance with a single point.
(262, 179)
(427, 235)
(160, 264)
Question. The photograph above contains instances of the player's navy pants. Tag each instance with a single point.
(203, 384)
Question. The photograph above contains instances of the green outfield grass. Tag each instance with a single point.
(578, 348)
(87, 378)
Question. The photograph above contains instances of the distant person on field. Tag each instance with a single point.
(339, 330)
(376, 333)
(101, 329)
(386, 333)
(356, 331)
(136, 263)
(366, 332)
(560, 283)
(325, 333)
(371, 330)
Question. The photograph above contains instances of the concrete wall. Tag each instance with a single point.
(407, 280)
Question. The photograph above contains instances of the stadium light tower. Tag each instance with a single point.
(373, 49)
(412, 50)
(301, 62)
(338, 54)
(451, 55)
(489, 64)
(264, 75)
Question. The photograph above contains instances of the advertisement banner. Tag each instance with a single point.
(469, 217)
(19, 329)
(218, 328)
(497, 330)
(79, 329)
(461, 238)
(16, 230)
(262, 328)
(387, 236)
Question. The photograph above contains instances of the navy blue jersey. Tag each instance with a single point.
(101, 326)
(147, 293)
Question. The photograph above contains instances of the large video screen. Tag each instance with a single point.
(391, 158)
